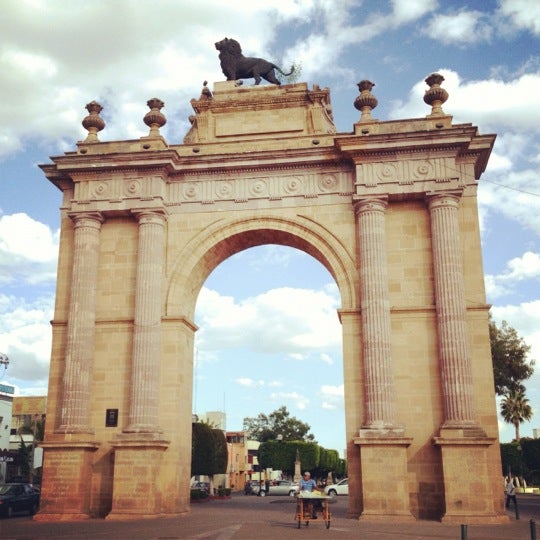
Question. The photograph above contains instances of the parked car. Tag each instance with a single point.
(253, 487)
(202, 486)
(283, 487)
(16, 498)
(341, 488)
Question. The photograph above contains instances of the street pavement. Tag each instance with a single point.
(261, 518)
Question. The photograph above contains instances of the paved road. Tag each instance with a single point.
(262, 518)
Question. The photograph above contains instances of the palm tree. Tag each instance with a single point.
(515, 409)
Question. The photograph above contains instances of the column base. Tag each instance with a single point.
(383, 463)
(472, 519)
(469, 493)
(50, 517)
(137, 462)
(378, 517)
(67, 476)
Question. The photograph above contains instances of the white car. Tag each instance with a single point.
(341, 488)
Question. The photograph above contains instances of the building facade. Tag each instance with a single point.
(390, 209)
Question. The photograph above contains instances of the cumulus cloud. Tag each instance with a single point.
(246, 381)
(25, 336)
(52, 75)
(523, 14)
(170, 55)
(332, 396)
(518, 269)
(511, 104)
(405, 11)
(287, 320)
(297, 400)
(28, 250)
(461, 27)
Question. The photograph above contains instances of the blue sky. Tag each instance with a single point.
(56, 57)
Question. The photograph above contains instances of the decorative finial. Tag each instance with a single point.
(366, 101)
(155, 119)
(436, 95)
(93, 122)
(205, 92)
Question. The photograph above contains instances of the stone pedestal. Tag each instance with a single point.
(383, 465)
(67, 471)
(137, 464)
(467, 478)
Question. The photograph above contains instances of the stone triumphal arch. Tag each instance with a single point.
(390, 209)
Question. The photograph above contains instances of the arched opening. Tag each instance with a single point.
(269, 336)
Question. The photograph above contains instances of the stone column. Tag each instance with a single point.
(463, 444)
(454, 349)
(382, 445)
(75, 412)
(144, 398)
(375, 305)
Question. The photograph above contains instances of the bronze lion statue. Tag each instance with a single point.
(237, 66)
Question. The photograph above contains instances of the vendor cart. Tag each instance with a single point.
(309, 504)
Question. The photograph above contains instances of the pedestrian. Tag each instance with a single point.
(510, 492)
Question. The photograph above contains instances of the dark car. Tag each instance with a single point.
(15, 498)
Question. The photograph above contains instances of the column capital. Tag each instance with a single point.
(157, 216)
(448, 199)
(87, 219)
(367, 204)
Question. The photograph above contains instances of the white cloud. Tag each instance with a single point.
(460, 28)
(518, 269)
(170, 50)
(524, 13)
(25, 336)
(332, 396)
(251, 383)
(285, 320)
(327, 359)
(28, 250)
(487, 103)
(409, 10)
(513, 195)
(294, 398)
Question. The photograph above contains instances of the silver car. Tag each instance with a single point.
(283, 487)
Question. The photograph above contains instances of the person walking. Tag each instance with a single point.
(510, 489)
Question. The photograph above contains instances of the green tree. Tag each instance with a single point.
(209, 452)
(278, 424)
(25, 454)
(36, 428)
(515, 409)
(281, 456)
(509, 356)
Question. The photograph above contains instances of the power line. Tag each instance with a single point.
(512, 188)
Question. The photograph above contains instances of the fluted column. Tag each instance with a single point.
(375, 305)
(454, 349)
(75, 412)
(144, 398)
